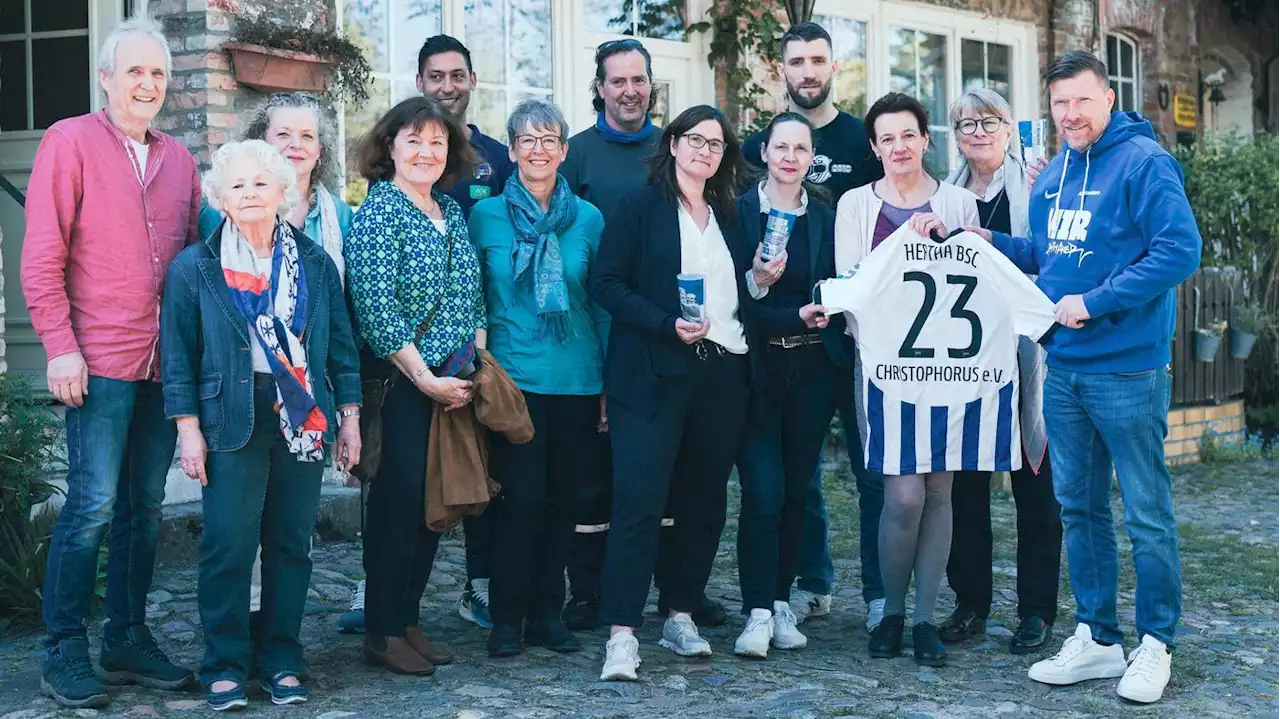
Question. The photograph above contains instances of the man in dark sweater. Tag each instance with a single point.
(842, 161)
(605, 162)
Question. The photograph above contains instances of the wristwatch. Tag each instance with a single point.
(344, 413)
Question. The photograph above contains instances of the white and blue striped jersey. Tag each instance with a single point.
(937, 326)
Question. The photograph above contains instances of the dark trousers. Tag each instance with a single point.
(119, 449)
(398, 548)
(478, 537)
(1039, 541)
(785, 431)
(533, 515)
(685, 451)
(592, 508)
(259, 493)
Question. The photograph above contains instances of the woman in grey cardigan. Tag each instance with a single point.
(992, 168)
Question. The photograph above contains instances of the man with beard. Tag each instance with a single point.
(842, 161)
(605, 162)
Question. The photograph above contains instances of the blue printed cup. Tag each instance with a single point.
(693, 296)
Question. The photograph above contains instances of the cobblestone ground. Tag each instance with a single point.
(1226, 664)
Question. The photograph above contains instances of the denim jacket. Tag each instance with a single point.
(204, 344)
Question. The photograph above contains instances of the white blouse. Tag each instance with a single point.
(705, 252)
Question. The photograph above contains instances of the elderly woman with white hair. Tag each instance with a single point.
(254, 332)
(537, 243)
(992, 168)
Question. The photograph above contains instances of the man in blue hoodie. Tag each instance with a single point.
(1112, 238)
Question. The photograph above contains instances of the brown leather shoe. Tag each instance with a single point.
(396, 654)
(434, 653)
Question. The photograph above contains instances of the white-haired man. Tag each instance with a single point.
(110, 203)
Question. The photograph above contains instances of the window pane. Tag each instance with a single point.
(486, 22)
(1126, 96)
(999, 59)
(13, 85)
(531, 43)
(935, 158)
(1113, 55)
(611, 16)
(488, 111)
(416, 20)
(403, 87)
(359, 120)
(62, 63)
(663, 19)
(661, 103)
(973, 72)
(933, 74)
(365, 23)
(47, 16)
(850, 54)
(1126, 60)
(13, 17)
(902, 60)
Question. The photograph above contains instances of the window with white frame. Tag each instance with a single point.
(918, 67)
(985, 65)
(659, 19)
(1122, 72)
(849, 51)
(45, 45)
(511, 54)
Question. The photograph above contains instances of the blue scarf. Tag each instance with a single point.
(537, 246)
(625, 138)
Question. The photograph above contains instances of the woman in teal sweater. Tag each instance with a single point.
(537, 243)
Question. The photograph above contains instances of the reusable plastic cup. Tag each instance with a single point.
(777, 231)
(1034, 136)
(693, 296)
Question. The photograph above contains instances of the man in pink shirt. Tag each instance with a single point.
(110, 203)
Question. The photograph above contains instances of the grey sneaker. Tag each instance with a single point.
(69, 679)
(680, 635)
(139, 660)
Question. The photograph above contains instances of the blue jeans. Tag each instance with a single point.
(119, 448)
(258, 494)
(813, 569)
(1094, 420)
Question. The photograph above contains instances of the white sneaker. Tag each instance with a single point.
(785, 634)
(807, 605)
(754, 640)
(875, 614)
(1148, 672)
(680, 635)
(621, 658)
(1079, 659)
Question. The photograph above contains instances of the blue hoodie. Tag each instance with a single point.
(1113, 224)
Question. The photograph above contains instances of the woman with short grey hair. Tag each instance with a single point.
(537, 243)
(260, 373)
(992, 168)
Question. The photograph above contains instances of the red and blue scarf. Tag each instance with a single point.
(275, 307)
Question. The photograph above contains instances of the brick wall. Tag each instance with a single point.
(1188, 425)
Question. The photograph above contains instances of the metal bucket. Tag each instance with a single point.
(1241, 343)
(1207, 344)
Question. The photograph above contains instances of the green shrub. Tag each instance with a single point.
(1219, 448)
(29, 433)
(1264, 420)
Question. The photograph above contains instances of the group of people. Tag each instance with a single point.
(236, 314)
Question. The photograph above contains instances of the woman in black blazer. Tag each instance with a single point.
(805, 363)
(678, 390)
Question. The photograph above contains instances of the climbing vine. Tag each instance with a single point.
(744, 38)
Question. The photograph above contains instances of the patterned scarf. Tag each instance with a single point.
(330, 232)
(537, 246)
(275, 306)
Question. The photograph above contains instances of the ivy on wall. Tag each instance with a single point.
(744, 40)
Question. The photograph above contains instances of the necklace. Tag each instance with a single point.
(994, 207)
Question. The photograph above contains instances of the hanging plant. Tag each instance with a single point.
(273, 57)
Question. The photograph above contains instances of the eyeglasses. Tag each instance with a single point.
(698, 142)
(550, 143)
(611, 46)
(989, 125)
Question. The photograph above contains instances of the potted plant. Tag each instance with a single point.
(1247, 321)
(274, 58)
(1208, 339)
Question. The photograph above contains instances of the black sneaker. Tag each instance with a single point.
(886, 640)
(68, 676)
(582, 615)
(139, 660)
(708, 613)
(928, 645)
(962, 624)
(551, 633)
(504, 640)
(1032, 634)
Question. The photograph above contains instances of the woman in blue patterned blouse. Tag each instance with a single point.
(414, 281)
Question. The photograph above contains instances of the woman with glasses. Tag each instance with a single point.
(992, 168)
(678, 385)
(915, 524)
(537, 243)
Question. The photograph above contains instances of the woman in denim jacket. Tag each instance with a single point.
(257, 348)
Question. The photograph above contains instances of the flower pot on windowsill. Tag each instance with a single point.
(272, 69)
(1241, 343)
(1207, 343)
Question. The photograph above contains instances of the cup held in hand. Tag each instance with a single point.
(693, 296)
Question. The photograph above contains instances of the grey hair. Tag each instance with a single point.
(214, 181)
(539, 114)
(982, 101)
(326, 172)
(137, 26)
